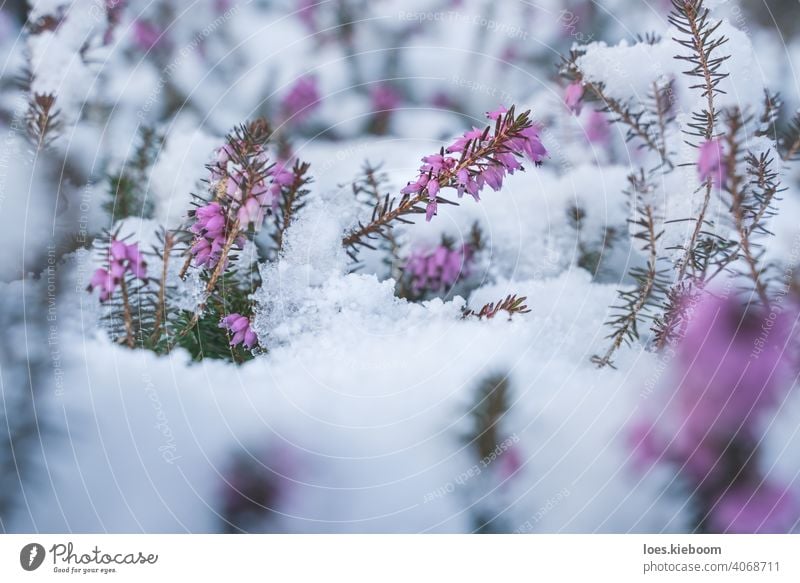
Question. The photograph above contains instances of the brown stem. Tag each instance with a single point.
(698, 227)
(408, 203)
(737, 203)
(792, 151)
(661, 114)
(212, 281)
(625, 117)
(644, 293)
(405, 207)
(169, 241)
(186, 265)
(127, 316)
(703, 55)
(700, 50)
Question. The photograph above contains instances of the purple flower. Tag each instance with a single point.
(733, 368)
(490, 158)
(755, 509)
(301, 100)
(385, 98)
(247, 189)
(573, 97)
(597, 128)
(210, 233)
(146, 35)
(240, 330)
(122, 259)
(307, 12)
(710, 162)
(104, 281)
(438, 269)
(733, 361)
(497, 113)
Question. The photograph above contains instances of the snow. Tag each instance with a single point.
(359, 402)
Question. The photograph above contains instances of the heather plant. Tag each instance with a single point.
(246, 188)
(289, 227)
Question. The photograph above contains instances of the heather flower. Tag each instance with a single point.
(251, 488)
(438, 269)
(384, 98)
(510, 462)
(247, 188)
(710, 162)
(210, 230)
(573, 97)
(490, 158)
(301, 100)
(732, 367)
(240, 330)
(146, 35)
(222, 6)
(104, 281)
(307, 12)
(597, 128)
(122, 259)
(733, 362)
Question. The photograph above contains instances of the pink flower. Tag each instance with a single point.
(497, 113)
(490, 158)
(307, 12)
(104, 281)
(510, 462)
(733, 363)
(122, 259)
(438, 269)
(248, 189)
(573, 97)
(710, 162)
(385, 98)
(733, 369)
(301, 100)
(146, 35)
(209, 228)
(597, 128)
(240, 329)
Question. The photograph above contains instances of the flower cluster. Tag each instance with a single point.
(485, 159)
(146, 36)
(122, 259)
(732, 365)
(301, 100)
(240, 329)
(384, 98)
(210, 229)
(247, 188)
(573, 97)
(438, 269)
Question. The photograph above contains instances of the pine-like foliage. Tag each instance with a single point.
(699, 36)
(651, 281)
(128, 186)
(370, 189)
(511, 305)
(293, 199)
(644, 123)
